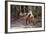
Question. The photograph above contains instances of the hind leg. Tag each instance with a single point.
(29, 21)
(26, 22)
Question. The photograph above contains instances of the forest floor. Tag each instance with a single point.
(21, 22)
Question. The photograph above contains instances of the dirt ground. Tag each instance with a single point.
(21, 22)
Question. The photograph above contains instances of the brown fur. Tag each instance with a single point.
(29, 19)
